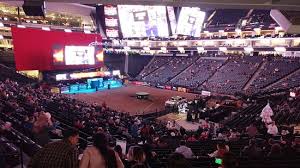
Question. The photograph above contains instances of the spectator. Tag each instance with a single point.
(192, 138)
(184, 150)
(151, 156)
(296, 145)
(288, 150)
(145, 132)
(134, 130)
(221, 150)
(100, 155)
(251, 131)
(177, 160)
(60, 154)
(234, 135)
(268, 145)
(136, 156)
(272, 129)
(252, 151)
(41, 128)
(229, 161)
(275, 152)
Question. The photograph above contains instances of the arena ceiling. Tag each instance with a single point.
(234, 4)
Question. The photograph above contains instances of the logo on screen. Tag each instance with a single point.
(140, 16)
(192, 20)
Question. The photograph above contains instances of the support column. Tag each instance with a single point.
(126, 63)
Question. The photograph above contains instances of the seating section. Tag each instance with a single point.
(226, 19)
(289, 82)
(7, 72)
(286, 112)
(156, 63)
(136, 63)
(245, 117)
(224, 75)
(260, 18)
(199, 72)
(233, 76)
(170, 70)
(275, 69)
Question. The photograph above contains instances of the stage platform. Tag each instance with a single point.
(84, 88)
(180, 120)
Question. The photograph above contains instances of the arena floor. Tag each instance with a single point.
(124, 100)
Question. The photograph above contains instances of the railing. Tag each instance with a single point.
(15, 151)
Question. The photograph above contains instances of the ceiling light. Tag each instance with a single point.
(223, 49)
(280, 49)
(249, 49)
(200, 49)
(68, 30)
(146, 48)
(87, 31)
(46, 28)
(126, 48)
(21, 26)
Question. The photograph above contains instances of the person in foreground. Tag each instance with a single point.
(100, 155)
(177, 160)
(183, 149)
(229, 161)
(60, 154)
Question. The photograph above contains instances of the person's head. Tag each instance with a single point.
(177, 160)
(273, 123)
(229, 161)
(72, 135)
(100, 139)
(221, 146)
(276, 148)
(136, 153)
(101, 143)
(7, 126)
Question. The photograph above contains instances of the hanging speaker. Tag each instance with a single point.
(34, 7)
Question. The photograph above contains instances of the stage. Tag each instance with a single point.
(180, 120)
(124, 99)
(86, 88)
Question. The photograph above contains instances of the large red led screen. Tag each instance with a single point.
(36, 49)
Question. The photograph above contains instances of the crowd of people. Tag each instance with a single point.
(58, 123)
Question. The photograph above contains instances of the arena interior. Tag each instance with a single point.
(149, 84)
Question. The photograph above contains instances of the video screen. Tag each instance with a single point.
(143, 21)
(110, 10)
(190, 21)
(111, 22)
(79, 55)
